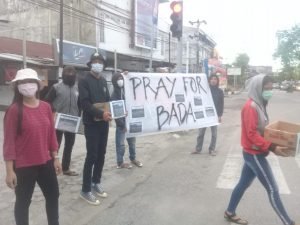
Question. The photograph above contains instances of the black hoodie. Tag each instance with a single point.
(118, 94)
(218, 97)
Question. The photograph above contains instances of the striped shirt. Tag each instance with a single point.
(38, 136)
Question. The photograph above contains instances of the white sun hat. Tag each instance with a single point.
(26, 74)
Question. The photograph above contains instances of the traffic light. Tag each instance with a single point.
(176, 17)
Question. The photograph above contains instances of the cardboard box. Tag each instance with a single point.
(284, 134)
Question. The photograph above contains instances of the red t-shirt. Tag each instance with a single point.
(38, 136)
(252, 141)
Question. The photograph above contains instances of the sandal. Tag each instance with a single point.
(137, 163)
(234, 218)
(70, 173)
(196, 152)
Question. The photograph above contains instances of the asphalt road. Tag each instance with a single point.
(175, 187)
(178, 188)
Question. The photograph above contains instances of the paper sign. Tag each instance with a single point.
(67, 123)
(167, 102)
(117, 109)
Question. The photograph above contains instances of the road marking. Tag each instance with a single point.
(298, 160)
(231, 172)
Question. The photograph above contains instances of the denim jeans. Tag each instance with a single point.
(200, 139)
(120, 146)
(46, 178)
(69, 142)
(258, 166)
(96, 140)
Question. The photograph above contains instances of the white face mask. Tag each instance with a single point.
(120, 83)
(28, 89)
(97, 67)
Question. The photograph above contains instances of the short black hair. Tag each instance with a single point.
(267, 79)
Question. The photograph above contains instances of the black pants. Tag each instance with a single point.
(69, 142)
(46, 178)
(96, 140)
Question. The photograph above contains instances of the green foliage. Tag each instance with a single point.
(288, 49)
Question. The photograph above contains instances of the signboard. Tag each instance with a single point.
(76, 54)
(234, 71)
(146, 13)
(164, 102)
(65, 122)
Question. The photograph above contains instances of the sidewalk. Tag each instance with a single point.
(71, 206)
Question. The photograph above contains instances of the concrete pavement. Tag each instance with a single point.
(173, 187)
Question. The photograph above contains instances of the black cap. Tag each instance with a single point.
(95, 56)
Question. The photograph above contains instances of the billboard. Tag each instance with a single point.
(146, 13)
(76, 54)
(234, 71)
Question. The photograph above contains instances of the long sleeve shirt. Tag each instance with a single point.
(37, 140)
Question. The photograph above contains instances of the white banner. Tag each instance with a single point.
(164, 102)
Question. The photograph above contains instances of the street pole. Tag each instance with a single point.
(198, 47)
(151, 50)
(179, 56)
(187, 57)
(61, 37)
(115, 60)
(24, 50)
(169, 52)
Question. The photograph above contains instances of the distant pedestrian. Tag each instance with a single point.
(255, 151)
(118, 94)
(93, 94)
(218, 98)
(30, 148)
(63, 97)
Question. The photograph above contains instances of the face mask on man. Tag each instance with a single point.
(120, 83)
(267, 95)
(69, 79)
(28, 89)
(97, 68)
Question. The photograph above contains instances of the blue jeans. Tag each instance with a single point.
(200, 139)
(120, 145)
(258, 166)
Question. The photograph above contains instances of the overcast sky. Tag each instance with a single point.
(242, 26)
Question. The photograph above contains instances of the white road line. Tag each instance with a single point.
(297, 159)
(232, 170)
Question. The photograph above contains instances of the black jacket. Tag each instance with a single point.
(218, 97)
(118, 94)
(91, 91)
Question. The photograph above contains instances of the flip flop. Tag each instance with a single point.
(70, 173)
(234, 219)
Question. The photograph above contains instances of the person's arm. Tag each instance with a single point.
(250, 121)
(11, 178)
(221, 103)
(50, 97)
(85, 102)
(9, 150)
(53, 148)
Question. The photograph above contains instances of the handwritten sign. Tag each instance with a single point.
(163, 102)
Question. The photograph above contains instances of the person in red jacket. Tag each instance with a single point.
(255, 151)
(30, 148)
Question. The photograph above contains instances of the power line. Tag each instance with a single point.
(109, 26)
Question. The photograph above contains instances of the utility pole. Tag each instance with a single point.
(61, 37)
(24, 50)
(198, 22)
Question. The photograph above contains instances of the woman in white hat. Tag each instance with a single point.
(30, 148)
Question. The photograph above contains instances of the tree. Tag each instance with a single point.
(242, 61)
(288, 49)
